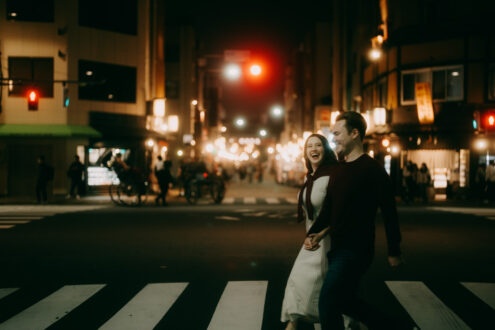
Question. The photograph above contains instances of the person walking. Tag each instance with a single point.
(44, 175)
(75, 174)
(358, 186)
(423, 180)
(490, 181)
(300, 303)
(164, 177)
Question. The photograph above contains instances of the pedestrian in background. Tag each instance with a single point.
(423, 180)
(75, 174)
(490, 181)
(480, 182)
(44, 175)
(164, 177)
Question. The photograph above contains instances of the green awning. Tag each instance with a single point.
(59, 131)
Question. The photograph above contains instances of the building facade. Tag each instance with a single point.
(98, 67)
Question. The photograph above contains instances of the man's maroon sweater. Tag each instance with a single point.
(355, 191)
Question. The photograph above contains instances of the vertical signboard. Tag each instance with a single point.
(424, 103)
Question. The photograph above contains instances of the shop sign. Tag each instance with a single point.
(424, 103)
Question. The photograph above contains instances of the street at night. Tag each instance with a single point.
(86, 266)
(219, 165)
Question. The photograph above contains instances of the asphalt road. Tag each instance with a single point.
(209, 258)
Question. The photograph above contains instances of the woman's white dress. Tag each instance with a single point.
(306, 278)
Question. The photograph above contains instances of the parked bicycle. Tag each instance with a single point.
(204, 184)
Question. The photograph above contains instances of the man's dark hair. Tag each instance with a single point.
(159, 158)
(329, 157)
(353, 120)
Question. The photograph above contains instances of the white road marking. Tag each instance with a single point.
(291, 200)
(484, 291)
(240, 307)
(249, 200)
(14, 221)
(424, 307)
(226, 217)
(6, 226)
(5, 292)
(228, 200)
(19, 218)
(147, 308)
(491, 218)
(272, 200)
(257, 214)
(52, 308)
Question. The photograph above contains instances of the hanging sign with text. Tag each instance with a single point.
(425, 103)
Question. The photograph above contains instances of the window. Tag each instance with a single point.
(491, 82)
(107, 82)
(29, 72)
(447, 83)
(113, 15)
(30, 10)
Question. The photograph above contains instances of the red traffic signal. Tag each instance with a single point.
(488, 120)
(33, 98)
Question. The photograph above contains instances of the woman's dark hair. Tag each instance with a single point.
(329, 157)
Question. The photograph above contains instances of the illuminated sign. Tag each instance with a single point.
(424, 103)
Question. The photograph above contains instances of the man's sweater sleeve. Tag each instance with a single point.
(389, 214)
(323, 219)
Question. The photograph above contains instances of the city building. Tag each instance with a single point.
(98, 69)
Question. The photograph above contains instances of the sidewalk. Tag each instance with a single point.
(235, 189)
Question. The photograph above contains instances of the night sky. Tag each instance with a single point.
(269, 29)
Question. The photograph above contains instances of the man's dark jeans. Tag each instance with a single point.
(339, 292)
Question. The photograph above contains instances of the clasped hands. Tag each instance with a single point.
(312, 242)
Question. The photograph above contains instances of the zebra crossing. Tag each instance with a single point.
(488, 213)
(258, 200)
(241, 305)
(15, 215)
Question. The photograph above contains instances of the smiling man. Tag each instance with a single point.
(358, 186)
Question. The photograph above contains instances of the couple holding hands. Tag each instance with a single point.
(338, 202)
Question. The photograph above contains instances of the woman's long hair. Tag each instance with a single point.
(329, 157)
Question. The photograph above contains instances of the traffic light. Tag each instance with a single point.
(488, 120)
(255, 69)
(33, 99)
(66, 97)
(476, 120)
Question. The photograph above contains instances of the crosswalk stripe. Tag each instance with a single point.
(484, 291)
(228, 200)
(6, 291)
(491, 218)
(424, 307)
(5, 222)
(240, 307)
(19, 218)
(49, 310)
(272, 200)
(291, 200)
(147, 308)
(6, 226)
(249, 200)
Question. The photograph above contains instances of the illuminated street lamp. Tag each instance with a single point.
(232, 71)
(263, 132)
(240, 122)
(277, 111)
(375, 54)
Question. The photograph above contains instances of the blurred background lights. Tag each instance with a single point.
(232, 71)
